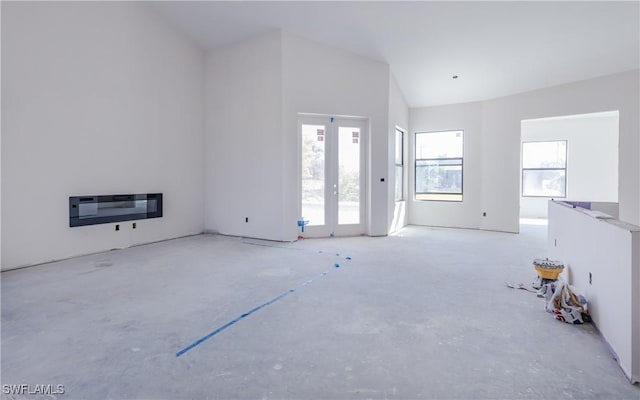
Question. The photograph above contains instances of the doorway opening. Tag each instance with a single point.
(572, 158)
(333, 171)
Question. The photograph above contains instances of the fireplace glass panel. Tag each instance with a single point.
(91, 210)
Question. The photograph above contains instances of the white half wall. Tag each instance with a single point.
(602, 261)
(468, 118)
(97, 98)
(498, 146)
(244, 141)
(592, 157)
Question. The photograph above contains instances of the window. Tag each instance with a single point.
(399, 165)
(439, 165)
(544, 169)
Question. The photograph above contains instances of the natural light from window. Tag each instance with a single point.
(439, 157)
(544, 169)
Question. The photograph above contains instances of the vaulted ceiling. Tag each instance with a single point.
(495, 48)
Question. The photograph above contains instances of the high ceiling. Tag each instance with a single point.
(495, 48)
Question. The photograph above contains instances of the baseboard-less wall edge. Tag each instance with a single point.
(610, 348)
(371, 235)
(165, 240)
(40, 264)
(632, 378)
(253, 238)
(499, 231)
(467, 228)
(24, 266)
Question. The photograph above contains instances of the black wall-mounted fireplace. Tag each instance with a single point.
(92, 210)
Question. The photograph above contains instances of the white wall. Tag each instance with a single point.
(398, 117)
(499, 146)
(468, 118)
(501, 141)
(255, 91)
(244, 142)
(325, 80)
(592, 157)
(97, 98)
(578, 240)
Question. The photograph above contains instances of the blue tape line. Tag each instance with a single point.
(245, 315)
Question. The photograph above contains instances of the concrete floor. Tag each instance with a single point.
(424, 314)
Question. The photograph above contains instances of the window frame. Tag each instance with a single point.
(415, 172)
(523, 169)
(401, 165)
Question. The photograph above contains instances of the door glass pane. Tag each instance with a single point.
(349, 140)
(313, 156)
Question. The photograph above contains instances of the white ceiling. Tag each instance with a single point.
(496, 48)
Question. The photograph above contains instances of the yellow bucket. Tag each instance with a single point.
(548, 273)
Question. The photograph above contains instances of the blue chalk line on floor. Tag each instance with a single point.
(245, 315)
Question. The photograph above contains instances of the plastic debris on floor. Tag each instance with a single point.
(521, 286)
(561, 299)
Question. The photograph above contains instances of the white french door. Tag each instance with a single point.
(333, 155)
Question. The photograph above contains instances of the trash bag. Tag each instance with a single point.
(562, 301)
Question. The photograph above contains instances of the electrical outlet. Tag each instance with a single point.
(246, 219)
(117, 227)
(484, 214)
(133, 225)
(590, 278)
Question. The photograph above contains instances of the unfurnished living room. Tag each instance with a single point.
(320, 200)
